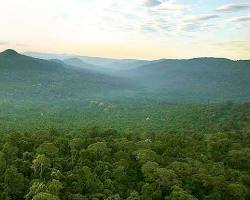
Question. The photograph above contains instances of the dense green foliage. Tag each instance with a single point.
(203, 153)
(124, 116)
(96, 164)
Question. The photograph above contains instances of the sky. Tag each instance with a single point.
(142, 29)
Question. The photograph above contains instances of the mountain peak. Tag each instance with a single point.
(9, 52)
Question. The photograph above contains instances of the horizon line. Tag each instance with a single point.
(113, 58)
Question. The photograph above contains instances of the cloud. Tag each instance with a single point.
(199, 25)
(151, 3)
(233, 7)
(148, 29)
(241, 19)
(189, 27)
(200, 18)
(172, 7)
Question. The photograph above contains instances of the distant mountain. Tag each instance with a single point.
(48, 56)
(99, 63)
(114, 64)
(26, 78)
(198, 78)
(12, 60)
(77, 62)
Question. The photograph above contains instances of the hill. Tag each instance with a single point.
(12, 60)
(78, 63)
(198, 79)
(27, 78)
(195, 79)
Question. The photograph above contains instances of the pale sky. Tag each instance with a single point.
(145, 29)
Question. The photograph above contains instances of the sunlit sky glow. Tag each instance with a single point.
(147, 29)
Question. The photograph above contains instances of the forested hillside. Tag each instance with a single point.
(157, 130)
(32, 79)
(193, 80)
(199, 79)
(124, 100)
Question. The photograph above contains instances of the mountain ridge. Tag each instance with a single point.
(28, 78)
(164, 80)
(129, 59)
